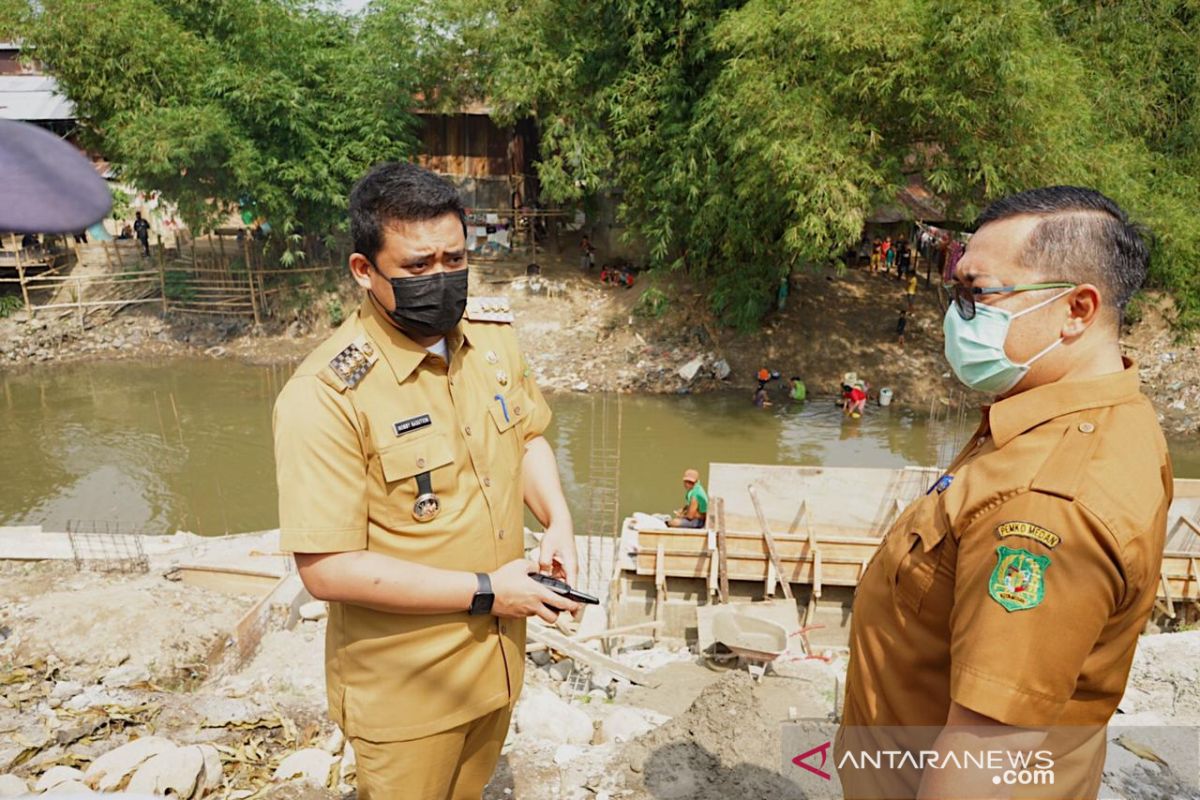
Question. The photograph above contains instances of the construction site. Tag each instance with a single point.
(193, 666)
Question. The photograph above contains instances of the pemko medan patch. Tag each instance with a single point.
(1029, 531)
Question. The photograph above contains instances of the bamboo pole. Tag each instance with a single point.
(253, 301)
(107, 255)
(79, 302)
(162, 276)
(24, 288)
(120, 261)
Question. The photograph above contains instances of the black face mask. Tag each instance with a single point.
(429, 305)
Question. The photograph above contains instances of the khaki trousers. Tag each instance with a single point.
(452, 765)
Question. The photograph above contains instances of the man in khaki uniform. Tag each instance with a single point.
(406, 445)
(1008, 600)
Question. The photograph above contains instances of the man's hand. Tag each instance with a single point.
(557, 556)
(518, 595)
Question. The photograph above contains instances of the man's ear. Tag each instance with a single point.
(1086, 305)
(360, 270)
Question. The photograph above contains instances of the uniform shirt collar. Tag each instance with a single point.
(401, 353)
(1014, 415)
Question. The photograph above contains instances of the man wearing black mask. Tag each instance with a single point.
(405, 447)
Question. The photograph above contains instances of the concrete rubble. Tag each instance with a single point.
(109, 719)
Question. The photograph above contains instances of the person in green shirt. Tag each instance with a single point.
(799, 391)
(695, 503)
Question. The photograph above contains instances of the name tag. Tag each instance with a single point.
(409, 425)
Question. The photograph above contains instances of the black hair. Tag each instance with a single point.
(1084, 237)
(397, 191)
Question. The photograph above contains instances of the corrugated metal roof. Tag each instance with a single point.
(32, 98)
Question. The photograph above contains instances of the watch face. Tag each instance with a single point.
(482, 603)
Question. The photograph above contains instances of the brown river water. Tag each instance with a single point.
(186, 444)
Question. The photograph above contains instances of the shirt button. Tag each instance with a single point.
(517, 410)
(487, 481)
(421, 463)
(1086, 427)
(501, 533)
(468, 430)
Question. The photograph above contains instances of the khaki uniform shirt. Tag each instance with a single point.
(361, 417)
(1019, 590)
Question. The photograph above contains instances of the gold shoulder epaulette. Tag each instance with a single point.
(355, 360)
(489, 309)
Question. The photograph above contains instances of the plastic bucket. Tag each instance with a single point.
(885, 396)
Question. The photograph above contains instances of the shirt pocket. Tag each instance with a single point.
(508, 410)
(401, 462)
(918, 552)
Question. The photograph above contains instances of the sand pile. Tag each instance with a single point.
(727, 744)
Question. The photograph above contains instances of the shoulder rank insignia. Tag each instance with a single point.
(1018, 581)
(354, 361)
(489, 309)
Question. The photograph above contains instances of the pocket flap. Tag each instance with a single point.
(509, 409)
(405, 459)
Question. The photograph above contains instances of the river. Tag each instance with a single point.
(186, 444)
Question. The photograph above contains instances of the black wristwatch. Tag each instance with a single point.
(481, 603)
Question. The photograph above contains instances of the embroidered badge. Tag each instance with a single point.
(413, 424)
(1029, 531)
(1018, 582)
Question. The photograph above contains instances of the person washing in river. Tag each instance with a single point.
(695, 503)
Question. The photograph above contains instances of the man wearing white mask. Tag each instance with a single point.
(1002, 610)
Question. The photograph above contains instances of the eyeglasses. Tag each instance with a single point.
(964, 296)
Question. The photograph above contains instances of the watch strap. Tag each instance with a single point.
(481, 603)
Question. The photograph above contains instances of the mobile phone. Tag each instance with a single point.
(561, 587)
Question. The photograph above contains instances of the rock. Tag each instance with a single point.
(335, 742)
(176, 772)
(125, 675)
(625, 724)
(540, 657)
(689, 370)
(721, 370)
(542, 715)
(107, 771)
(562, 670)
(295, 330)
(349, 766)
(214, 771)
(65, 690)
(315, 610)
(12, 786)
(566, 753)
(56, 775)
(73, 788)
(310, 764)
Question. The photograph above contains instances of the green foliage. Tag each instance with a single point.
(337, 314)
(1135, 309)
(10, 303)
(275, 104)
(751, 136)
(178, 286)
(652, 304)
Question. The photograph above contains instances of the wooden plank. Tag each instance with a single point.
(1195, 528)
(227, 580)
(613, 632)
(766, 532)
(722, 565)
(660, 587)
(579, 652)
(1166, 591)
(255, 623)
(839, 572)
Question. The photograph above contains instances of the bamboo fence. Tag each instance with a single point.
(224, 275)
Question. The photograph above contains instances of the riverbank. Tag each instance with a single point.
(582, 336)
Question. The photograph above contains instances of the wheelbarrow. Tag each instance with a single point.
(757, 642)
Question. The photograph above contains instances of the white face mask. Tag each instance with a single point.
(975, 347)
